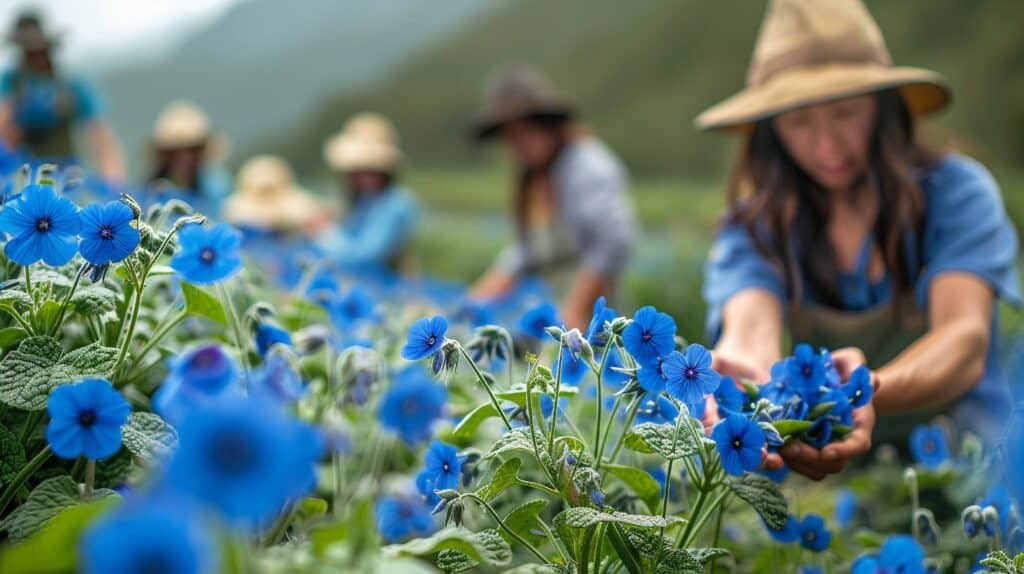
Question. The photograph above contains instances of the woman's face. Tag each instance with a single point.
(182, 162)
(530, 145)
(366, 182)
(831, 142)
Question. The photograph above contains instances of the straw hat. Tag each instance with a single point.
(268, 198)
(814, 51)
(368, 142)
(29, 32)
(182, 124)
(515, 93)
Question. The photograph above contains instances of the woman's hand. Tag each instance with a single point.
(738, 368)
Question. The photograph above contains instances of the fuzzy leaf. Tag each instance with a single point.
(762, 495)
(45, 501)
(640, 482)
(53, 549)
(704, 555)
(504, 478)
(12, 455)
(93, 300)
(25, 377)
(676, 561)
(523, 521)
(582, 517)
(148, 436)
(661, 439)
(485, 547)
(200, 303)
(517, 439)
(517, 394)
(467, 427)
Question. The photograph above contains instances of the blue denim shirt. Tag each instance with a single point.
(373, 233)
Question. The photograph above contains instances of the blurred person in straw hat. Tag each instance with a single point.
(845, 230)
(572, 212)
(268, 201)
(187, 157)
(41, 106)
(380, 215)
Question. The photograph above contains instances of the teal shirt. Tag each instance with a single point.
(373, 233)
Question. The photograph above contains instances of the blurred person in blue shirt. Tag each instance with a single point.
(40, 106)
(187, 154)
(374, 233)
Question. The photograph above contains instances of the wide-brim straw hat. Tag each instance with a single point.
(183, 124)
(29, 33)
(267, 197)
(514, 93)
(368, 142)
(816, 51)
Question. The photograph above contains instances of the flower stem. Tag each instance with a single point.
(155, 339)
(629, 422)
(64, 304)
(600, 407)
(281, 525)
(137, 282)
(236, 326)
(31, 421)
(26, 472)
(554, 402)
(607, 431)
(487, 387)
(90, 477)
(487, 507)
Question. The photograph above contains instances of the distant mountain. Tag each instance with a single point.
(641, 71)
(263, 64)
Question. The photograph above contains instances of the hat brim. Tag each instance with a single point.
(352, 153)
(924, 91)
(488, 123)
(288, 211)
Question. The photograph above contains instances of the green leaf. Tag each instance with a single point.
(517, 439)
(535, 569)
(14, 299)
(787, 427)
(46, 316)
(517, 394)
(466, 429)
(627, 553)
(12, 455)
(29, 373)
(53, 550)
(762, 495)
(523, 521)
(457, 561)
(486, 547)
(705, 555)
(148, 436)
(311, 508)
(676, 561)
(11, 336)
(661, 439)
(45, 501)
(583, 517)
(640, 482)
(200, 303)
(504, 478)
(820, 410)
(93, 300)
(839, 431)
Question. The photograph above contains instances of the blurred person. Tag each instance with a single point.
(41, 106)
(374, 233)
(572, 212)
(187, 155)
(845, 230)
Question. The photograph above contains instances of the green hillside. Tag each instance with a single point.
(642, 70)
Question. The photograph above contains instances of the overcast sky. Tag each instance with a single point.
(101, 33)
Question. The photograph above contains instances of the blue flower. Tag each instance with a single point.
(814, 535)
(790, 531)
(399, 518)
(739, 442)
(245, 458)
(597, 333)
(207, 255)
(898, 554)
(535, 320)
(731, 399)
(649, 335)
(149, 536)
(107, 234)
(42, 225)
(611, 376)
(354, 306)
(846, 508)
(86, 419)
(574, 369)
(651, 376)
(690, 377)
(442, 469)
(277, 381)
(476, 313)
(426, 337)
(819, 434)
(195, 377)
(999, 497)
(659, 410)
(806, 369)
(928, 446)
(546, 403)
(778, 389)
(859, 389)
(268, 335)
(412, 405)
(841, 412)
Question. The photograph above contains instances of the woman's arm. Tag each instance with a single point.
(586, 287)
(495, 283)
(751, 338)
(949, 360)
(107, 150)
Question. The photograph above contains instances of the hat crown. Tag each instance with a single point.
(810, 33)
(265, 176)
(519, 85)
(181, 122)
(371, 126)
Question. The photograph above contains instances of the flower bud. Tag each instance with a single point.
(132, 204)
(972, 520)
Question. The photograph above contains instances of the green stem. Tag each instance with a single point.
(665, 496)
(137, 282)
(588, 539)
(26, 472)
(281, 526)
(515, 535)
(483, 383)
(699, 523)
(236, 325)
(155, 339)
(21, 321)
(538, 486)
(78, 468)
(718, 532)
(90, 477)
(31, 421)
(702, 496)
(339, 484)
(530, 422)
(629, 422)
(554, 541)
(67, 299)
(600, 407)
(607, 431)
(554, 402)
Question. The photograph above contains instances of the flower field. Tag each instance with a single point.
(173, 400)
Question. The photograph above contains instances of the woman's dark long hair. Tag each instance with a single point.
(786, 212)
(562, 130)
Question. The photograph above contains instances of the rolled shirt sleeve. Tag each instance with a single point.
(735, 265)
(967, 229)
